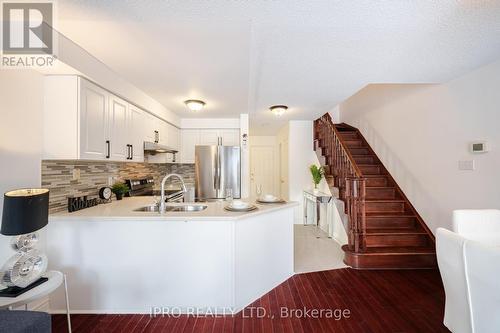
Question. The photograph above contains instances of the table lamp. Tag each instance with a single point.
(24, 212)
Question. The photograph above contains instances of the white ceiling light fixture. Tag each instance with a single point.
(278, 110)
(194, 104)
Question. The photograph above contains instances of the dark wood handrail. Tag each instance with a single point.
(348, 178)
(328, 122)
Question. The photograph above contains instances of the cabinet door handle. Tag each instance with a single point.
(108, 149)
(128, 152)
(131, 152)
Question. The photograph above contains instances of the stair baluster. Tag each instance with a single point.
(347, 177)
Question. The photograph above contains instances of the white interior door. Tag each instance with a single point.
(262, 170)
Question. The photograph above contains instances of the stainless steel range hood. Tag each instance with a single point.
(154, 148)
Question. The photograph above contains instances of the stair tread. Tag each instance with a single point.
(389, 214)
(407, 250)
(382, 187)
(369, 164)
(395, 231)
(384, 200)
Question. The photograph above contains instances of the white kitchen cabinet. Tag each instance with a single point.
(230, 137)
(84, 121)
(136, 126)
(163, 128)
(225, 137)
(193, 137)
(209, 137)
(189, 139)
(119, 129)
(173, 141)
(149, 132)
(94, 122)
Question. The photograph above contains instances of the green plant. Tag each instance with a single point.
(120, 188)
(317, 174)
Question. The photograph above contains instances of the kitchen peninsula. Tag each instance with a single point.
(120, 260)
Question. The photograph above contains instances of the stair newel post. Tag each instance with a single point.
(351, 225)
(361, 210)
(337, 165)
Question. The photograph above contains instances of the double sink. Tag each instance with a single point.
(172, 208)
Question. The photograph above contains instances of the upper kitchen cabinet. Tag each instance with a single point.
(150, 128)
(190, 138)
(230, 137)
(173, 141)
(209, 137)
(85, 121)
(225, 137)
(136, 125)
(119, 135)
(94, 121)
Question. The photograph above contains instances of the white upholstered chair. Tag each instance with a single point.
(482, 267)
(449, 250)
(482, 225)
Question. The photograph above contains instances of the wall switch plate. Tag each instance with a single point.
(466, 165)
(76, 174)
(478, 147)
(111, 180)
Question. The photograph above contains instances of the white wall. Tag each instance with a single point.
(335, 114)
(21, 98)
(282, 138)
(297, 135)
(300, 157)
(420, 132)
(245, 155)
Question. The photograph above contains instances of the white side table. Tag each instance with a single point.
(55, 280)
(316, 199)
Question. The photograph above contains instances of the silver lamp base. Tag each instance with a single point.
(25, 268)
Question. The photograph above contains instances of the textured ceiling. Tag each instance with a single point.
(244, 56)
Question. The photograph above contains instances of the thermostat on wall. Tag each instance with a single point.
(478, 147)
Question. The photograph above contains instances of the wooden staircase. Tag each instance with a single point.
(384, 229)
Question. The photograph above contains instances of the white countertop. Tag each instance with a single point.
(124, 210)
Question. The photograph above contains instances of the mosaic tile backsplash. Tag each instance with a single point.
(57, 176)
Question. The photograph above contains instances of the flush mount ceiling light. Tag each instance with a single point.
(278, 110)
(194, 104)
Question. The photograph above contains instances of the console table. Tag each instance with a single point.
(315, 199)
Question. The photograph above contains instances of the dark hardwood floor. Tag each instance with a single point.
(378, 301)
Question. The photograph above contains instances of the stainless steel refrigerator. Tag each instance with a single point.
(217, 168)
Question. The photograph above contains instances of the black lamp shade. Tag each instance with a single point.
(25, 211)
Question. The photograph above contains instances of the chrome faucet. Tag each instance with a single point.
(162, 202)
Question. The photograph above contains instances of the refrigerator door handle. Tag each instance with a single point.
(219, 169)
(216, 171)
